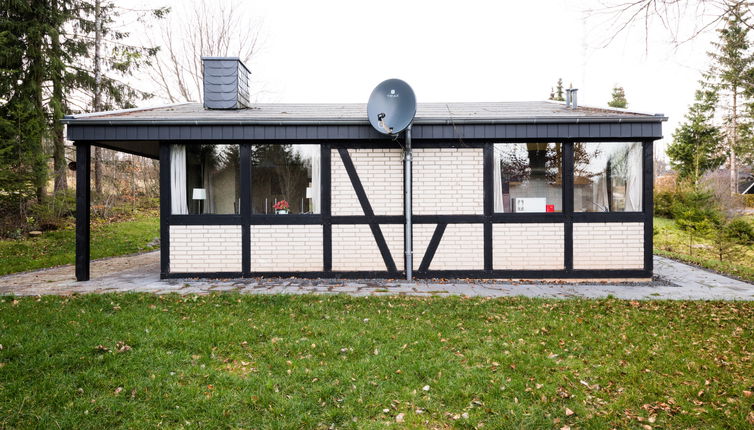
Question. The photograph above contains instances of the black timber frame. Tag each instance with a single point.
(429, 138)
(83, 206)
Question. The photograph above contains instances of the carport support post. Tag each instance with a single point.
(83, 197)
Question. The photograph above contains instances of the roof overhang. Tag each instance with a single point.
(140, 130)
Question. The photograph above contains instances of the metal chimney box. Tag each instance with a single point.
(226, 83)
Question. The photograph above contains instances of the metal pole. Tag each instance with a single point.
(407, 157)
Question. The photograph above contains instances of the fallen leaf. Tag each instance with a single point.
(122, 347)
(747, 393)
(568, 412)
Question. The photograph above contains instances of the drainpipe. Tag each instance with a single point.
(407, 157)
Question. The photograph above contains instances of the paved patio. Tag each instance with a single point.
(140, 273)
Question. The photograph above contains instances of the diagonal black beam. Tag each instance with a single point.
(367, 208)
(432, 247)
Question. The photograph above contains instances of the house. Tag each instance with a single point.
(500, 190)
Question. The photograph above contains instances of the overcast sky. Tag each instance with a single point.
(337, 51)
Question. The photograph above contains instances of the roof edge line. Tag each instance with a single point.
(119, 111)
(429, 121)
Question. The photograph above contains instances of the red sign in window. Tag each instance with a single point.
(550, 208)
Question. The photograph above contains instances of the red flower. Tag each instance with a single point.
(281, 205)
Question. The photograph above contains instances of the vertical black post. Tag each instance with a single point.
(245, 209)
(325, 208)
(165, 209)
(488, 160)
(648, 204)
(83, 199)
(568, 170)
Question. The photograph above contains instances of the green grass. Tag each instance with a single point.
(231, 361)
(54, 248)
(671, 241)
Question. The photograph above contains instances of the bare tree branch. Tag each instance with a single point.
(682, 20)
(220, 30)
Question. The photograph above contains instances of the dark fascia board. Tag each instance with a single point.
(418, 121)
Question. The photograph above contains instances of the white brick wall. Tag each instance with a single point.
(448, 181)
(608, 245)
(461, 247)
(527, 246)
(354, 247)
(381, 175)
(286, 248)
(205, 248)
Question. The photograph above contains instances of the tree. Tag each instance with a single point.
(618, 98)
(733, 78)
(697, 143)
(681, 20)
(557, 93)
(222, 30)
(23, 169)
(103, 79)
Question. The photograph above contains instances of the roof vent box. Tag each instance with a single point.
(226, 83)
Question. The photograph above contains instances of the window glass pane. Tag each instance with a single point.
(527, 177)
(289, 173)
(607, 177)
(205, 179)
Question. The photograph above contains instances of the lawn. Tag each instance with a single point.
(231, 361)
(671, 241)
(53, 248)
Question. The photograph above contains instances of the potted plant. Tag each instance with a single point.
(281, 207)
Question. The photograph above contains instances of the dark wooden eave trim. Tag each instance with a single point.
(102, 132)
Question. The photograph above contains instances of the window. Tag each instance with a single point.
(528, 177)
(204, 179)
(607, 177)
(285, 172)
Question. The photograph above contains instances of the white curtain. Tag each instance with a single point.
(208, 173)
(316, 179)
(599, 191)
(178, 179)
(633, 178)
(497, 182)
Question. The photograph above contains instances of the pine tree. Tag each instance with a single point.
(618, 98)
(557, 94)
(732, 72)
(23, 168)
(698, 145)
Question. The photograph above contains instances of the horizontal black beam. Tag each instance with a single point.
(535, 274)
(201, 275)
(287, 219)
(430, 274)
(363, 219)
(314, 219)
(205, 219)
(583, 217)
(524, 218)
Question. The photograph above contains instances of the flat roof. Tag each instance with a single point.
(356, 113)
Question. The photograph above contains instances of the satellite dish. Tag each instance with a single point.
(391, 106)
